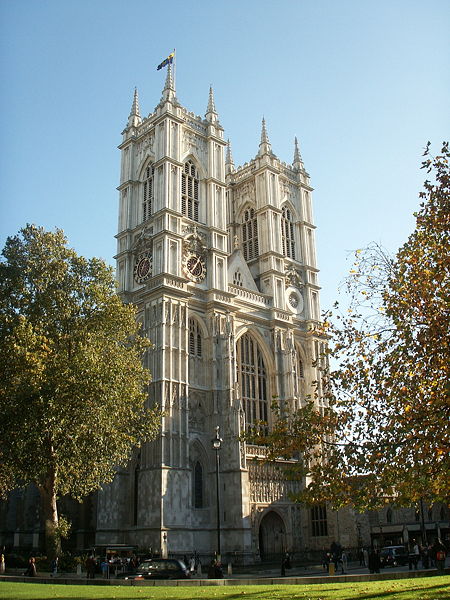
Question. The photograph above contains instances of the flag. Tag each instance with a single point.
(166, 61)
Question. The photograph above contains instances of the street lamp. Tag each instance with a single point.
(216, 444)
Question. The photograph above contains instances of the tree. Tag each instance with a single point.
(73, 389)
(384, 433)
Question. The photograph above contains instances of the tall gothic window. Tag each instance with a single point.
(148, 191)
(287, 233)
(319, 520)
(299, 372)
(189, 191)
(195, 338)
(252, 379)
(250, 234)
(198, 485)
(137, 470)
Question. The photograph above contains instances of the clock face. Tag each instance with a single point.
(195, 267)
(143, 268)
(294, 299)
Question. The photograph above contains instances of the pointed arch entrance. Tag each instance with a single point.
(272, 535)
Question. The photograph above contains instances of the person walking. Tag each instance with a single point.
(440, 553)
(31, 570)
(54, 567)
(344, 562)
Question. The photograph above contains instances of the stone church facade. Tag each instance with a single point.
(221, 263)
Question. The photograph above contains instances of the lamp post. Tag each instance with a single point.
(216, 444)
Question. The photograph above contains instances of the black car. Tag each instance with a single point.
(159, 568)
(391, 556)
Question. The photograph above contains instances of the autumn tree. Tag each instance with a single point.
(73, 387)
(385, 431)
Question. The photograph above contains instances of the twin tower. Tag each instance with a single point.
(221, 263)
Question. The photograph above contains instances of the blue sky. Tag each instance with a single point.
(362, 84)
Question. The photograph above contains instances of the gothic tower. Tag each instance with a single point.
(220, 262)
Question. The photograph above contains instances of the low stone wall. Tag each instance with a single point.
(306, 580)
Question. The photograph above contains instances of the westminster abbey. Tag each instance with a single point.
(220, 261)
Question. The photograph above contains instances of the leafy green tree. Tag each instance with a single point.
(384, 433)
(73, 386)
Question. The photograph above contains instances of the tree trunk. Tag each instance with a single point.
(49, 509)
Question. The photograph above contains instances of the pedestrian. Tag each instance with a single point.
(54, 567)
(440, 553)
(374, 561)
(362, 562)
(366, 557)
(325, 559)
(104, 566)
(31, 570)
(192, 565)
(344, 562)
(2, 563)
(414, 555)
(90, 567)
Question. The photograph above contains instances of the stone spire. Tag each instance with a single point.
(211, 114)
(229, 163)
(298, 162)
(264, 146)
(168, 94)
(135, 116)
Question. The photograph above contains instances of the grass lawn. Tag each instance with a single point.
(425, 588)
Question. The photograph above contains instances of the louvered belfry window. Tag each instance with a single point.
(287, 233)
(148, 191)
(195, 339)
(250, 234)
(189, 191)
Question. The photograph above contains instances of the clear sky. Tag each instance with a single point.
(362, 84)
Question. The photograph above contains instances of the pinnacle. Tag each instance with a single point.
(211, 113)
(264, 146)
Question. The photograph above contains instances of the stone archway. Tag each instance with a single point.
(272, 535)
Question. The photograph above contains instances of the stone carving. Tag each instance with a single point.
(293, 277)
(268, 483)
(193, 143)
(194, 240)
(196, 412)
(245, 192)
(143, 242)
(145, 146)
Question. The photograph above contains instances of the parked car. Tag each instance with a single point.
(159, 568)
(391, 556)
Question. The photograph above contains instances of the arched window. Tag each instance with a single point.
(299, 373)
(189, 191)
(195, 339)
(252, 379)
(198, 485)
(319, 520)
(287, 233)
(237, 279)
(250, 234)
(137, 470)
(147, 200)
